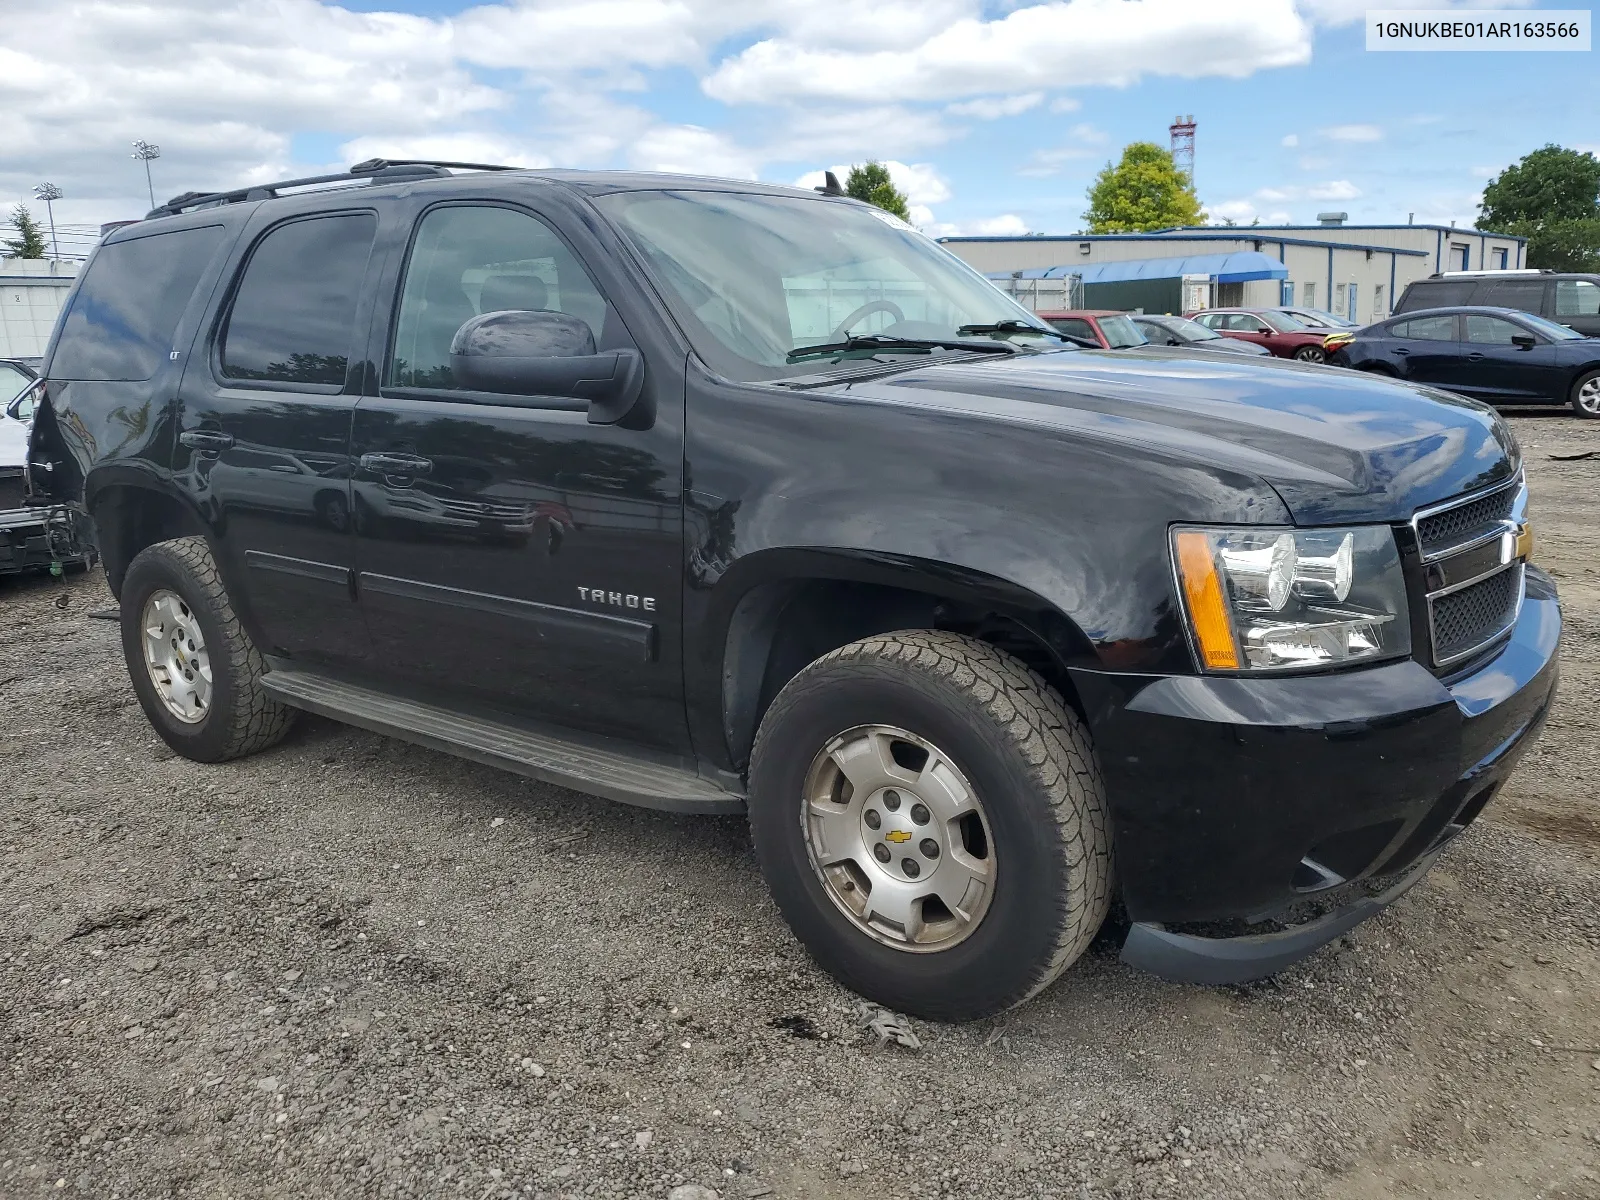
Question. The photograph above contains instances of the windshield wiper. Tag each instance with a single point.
(1012, 325)
(873, 342)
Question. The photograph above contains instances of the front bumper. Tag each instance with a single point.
(36, 538)
(1257, 819)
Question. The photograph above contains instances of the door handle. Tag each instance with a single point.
(1474, 357)
(213, 440)
(1401, 350)
(396, 464)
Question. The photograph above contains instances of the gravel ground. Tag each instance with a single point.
(352, 967)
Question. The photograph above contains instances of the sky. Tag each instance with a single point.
(993, 115)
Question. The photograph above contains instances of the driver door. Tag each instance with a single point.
(508, 552)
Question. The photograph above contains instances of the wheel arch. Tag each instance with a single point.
(777, 611)
(130, 512)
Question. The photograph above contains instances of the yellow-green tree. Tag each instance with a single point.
(871, 183)
(1145, 190)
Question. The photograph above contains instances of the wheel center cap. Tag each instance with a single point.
(898, 829)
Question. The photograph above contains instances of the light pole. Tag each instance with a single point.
(145, 151)
(50, 193)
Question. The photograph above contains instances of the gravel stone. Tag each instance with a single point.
(278, 899)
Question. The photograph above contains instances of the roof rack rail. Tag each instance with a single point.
(373, 169)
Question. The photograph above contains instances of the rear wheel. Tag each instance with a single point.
(1586, 395)
(193, 666)
(930, 818)
(1311, 354)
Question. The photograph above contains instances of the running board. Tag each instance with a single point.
(551, 756)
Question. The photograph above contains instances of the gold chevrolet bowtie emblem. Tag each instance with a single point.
(898, 835)
(1524, 549)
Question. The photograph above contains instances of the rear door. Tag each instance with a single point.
(1577, 305)
(1523, 294)
(1428, 349)
(1246, 328)
(510, 553)
(264, 431)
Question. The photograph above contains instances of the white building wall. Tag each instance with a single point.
(32, 291)
(1436, 241)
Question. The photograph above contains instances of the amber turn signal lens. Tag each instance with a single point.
(1208, 608)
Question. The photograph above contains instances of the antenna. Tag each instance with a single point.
(1182, 132)
(830, 185)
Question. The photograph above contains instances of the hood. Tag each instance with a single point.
(1337, 446)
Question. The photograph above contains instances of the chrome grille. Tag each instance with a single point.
(1474, 580)
(1476, 615)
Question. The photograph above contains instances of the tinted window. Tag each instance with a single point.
(127, 307)
(1283, 322)
(1491, 331)
(1244, 323)
(1077, 327)
(1441, 294)
(468, 261)
(294, 315)
(1577, 298)
(1425, 329)
(1524, 294)
(1555, 332)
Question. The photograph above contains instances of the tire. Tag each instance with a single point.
(1311, 354)
(1045, 830)
(1586, 395)
(238, 717)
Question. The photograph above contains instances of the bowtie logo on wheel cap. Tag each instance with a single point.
(897, 836)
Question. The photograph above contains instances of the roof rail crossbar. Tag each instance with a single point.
(374, 169)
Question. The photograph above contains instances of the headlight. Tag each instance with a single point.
(1262, 599)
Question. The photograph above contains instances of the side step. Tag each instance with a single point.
(557, 757)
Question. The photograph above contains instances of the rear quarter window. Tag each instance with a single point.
(1441, 294)
(127, 308)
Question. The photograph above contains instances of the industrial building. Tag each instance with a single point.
(1354, 270)
(32, 291)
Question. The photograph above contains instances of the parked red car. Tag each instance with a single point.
(1106, 327)
(1277, 331)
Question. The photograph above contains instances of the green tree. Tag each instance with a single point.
(1145, 190)
(871, 183)
(29, 242)
(1552, 198)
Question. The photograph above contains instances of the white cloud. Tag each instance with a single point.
(1344, 12)
(692, 149)
(1088, 42)
(1264, 204)
(1291, 140)
(920, 182)
(1353, 133)
(1005, 225)
(990, 108)
(447, 147)
(1064, 104)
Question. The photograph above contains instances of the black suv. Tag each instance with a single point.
(729, 498)
(1572, 300)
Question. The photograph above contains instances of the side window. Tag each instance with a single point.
(12, 381)
(1425, 329)
(1492, 331)
(127, 308)
(467, 261)
(294, 316)
(1526, 295)
(1577, 298)
(1245, 323)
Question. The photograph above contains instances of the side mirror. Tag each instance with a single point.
(22, 405)
(535, 353)
(1524, 341)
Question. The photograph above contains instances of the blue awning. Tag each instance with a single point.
(1238, 267)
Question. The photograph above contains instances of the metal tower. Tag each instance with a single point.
(1182, 131)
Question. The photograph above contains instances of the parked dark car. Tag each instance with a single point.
(1496, 355)
(1280, 333)
(823, 529)
(1107, 328)
(1567, 298)
(1316, 318)
(1181, 331)
(23, 543)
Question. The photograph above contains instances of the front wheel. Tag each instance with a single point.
(1586, 395)
(1311, 354)
(930, 818)
(193, 666)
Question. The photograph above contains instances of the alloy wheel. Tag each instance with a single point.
(898, 838)
(175, 655)
(1589, 396)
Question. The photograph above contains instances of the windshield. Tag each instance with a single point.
(1121, 333)
(1191, 331)
(1282, 322)
(753, 277)
(1556, 333)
